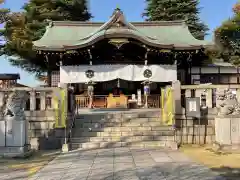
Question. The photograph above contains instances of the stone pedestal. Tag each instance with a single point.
(65, 148)
(227, 129)
(14, 126)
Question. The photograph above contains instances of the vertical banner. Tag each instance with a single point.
(167, 105)
(60, 108)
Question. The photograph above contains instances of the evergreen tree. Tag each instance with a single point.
(3, 13)
(227, 37)
(23, 28)
(171, 10)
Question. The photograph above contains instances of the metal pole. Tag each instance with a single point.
(65, 129)
(146, 101)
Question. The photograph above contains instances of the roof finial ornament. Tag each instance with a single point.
(117, 11)
(118, 8)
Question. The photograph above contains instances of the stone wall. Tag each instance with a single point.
(196, 131)
(42, 133)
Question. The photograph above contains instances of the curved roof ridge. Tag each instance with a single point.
(117, 16)
(188, 32)
(161, 34)
(104, 26)
(176, 22)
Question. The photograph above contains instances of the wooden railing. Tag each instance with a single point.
(100, 101)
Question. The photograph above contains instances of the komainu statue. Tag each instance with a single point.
(228, 103)
(15, 104)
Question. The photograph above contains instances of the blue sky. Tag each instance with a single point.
(213, 13)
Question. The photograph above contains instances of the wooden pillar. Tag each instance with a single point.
(49, 77)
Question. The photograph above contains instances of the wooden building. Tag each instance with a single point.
(218, 72)
(9, 80)
(119, 56)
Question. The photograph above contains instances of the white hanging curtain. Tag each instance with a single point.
(76, 74)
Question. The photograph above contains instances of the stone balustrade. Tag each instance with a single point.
(41, 117)
(40, 98)
(201, 130)
(210, 91)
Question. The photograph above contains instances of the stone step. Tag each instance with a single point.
(123, 115)
(129, 124)
(127, 133)
(142, 144)
(121, 139)
(122, 129)
(117, 120)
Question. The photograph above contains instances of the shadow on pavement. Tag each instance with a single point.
(228, 173)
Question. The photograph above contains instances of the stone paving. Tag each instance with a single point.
(120, 164)
(124, 164)
(10, 174)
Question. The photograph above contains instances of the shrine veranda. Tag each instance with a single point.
(117, 57)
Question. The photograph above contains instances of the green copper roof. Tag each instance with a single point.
(61, 36)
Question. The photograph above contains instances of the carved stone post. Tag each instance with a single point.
(188, 93)
(176, 85)
(2, 98)
(209, 102)
(198, 93)
(219, 91)
(43, 101)
(238, 95)
(32, 100)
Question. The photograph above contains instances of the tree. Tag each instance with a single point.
(227, 37)
(29, 25)
(3, 13)
(171, 10)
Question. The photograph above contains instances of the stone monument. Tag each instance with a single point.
(227, 122)
(13, 124)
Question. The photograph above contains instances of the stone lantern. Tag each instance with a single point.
(90, 90)
(90, 84)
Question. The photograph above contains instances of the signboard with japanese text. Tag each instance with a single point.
(193, 107)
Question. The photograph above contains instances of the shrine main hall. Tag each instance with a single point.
(117, 57)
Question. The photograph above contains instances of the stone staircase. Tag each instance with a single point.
(141, 129)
